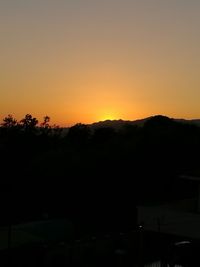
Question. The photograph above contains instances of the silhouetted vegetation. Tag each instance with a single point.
(93, 176)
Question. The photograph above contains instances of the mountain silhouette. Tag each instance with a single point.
(117, 124)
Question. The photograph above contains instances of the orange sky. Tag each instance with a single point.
(90, 60)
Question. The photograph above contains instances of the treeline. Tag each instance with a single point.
(86, 173)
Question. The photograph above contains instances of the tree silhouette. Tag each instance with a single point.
(45, 127)
(9, 121)
(45, 123)
(28, 122)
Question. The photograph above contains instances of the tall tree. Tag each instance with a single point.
(45, 123)
(28, 122)
(9, 121)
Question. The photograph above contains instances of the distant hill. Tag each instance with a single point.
(117, 124)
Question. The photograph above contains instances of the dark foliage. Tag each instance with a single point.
(94, 177)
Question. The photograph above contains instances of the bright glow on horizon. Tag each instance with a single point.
(108, 115)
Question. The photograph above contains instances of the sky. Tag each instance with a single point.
(90, 60)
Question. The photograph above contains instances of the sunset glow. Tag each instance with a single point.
(90, 60)
(108, 115)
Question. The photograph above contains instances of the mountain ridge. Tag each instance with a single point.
(117, 124)
(139, 122)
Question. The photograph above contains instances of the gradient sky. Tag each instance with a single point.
(90, 60)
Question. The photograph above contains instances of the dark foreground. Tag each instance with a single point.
(135, 248)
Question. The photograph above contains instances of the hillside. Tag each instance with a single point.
(117, 124)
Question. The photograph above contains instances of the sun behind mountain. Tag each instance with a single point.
(108, 115)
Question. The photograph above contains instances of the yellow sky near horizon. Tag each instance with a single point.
(90, 60)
